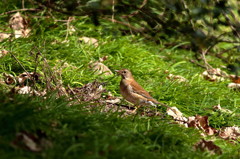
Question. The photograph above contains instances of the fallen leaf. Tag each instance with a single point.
(235, 79)
(214, 74)
(27, 90)
(99, 68)
(235, 86)
(71, 29)
(3, 52)
(177, 78)
(27, 141)
(88, 92)
(65, 41)
(24, 90)
(201, 123)
(4, 36)
(19, 25)
(28, 76)
(204, 145)
(90, 41)
(232, 133)
(113, 101)
(219, 108)
(34, 143)
(9, 79)
(177, 115)
(21, 33)
(102, 59)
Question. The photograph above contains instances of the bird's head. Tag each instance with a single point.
(125, 73)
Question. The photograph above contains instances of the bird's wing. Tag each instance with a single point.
(136, 88)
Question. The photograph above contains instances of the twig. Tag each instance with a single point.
(68, 26)
(21, 10)
(74, 93)
(219, 55)
(19, 63)
(207, 65)
(46, 65)
(226, 50)
(53, 77)
(165, 105)
(229, 22)
(31, 77)
(125, 106)
(194, 62)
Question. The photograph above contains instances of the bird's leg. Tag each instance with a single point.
(136, 109)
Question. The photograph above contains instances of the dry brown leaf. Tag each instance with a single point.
(25, 82)
(31, 76)
(235, 86)
(90, 41)
(4, 36)
(24, 90)
(214, 74)
(88, 92)
(65, 42)
(102, 59)
(71, 29)
(232, 133)
(99, 68)
(3, 52)
(21, 33)
(19, 25)
(235, 79)
(218, 107)
(204, 145)
(113, 101)
(201, 123)
(177, 78)
(177, 115)
(27, 141)
(28, 90)
(31, 142)
(9, 79)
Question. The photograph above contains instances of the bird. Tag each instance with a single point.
(133, 92)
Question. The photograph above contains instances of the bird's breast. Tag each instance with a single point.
(127, 92)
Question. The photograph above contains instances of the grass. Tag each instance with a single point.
(74, 132)
(77, 133)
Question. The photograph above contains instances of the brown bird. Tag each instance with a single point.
(133, 92)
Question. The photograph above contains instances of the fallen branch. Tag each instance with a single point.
(194, 62)
(207, 65)
(74, 94)
(21, 10)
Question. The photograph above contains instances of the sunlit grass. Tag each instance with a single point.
(76, 133)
